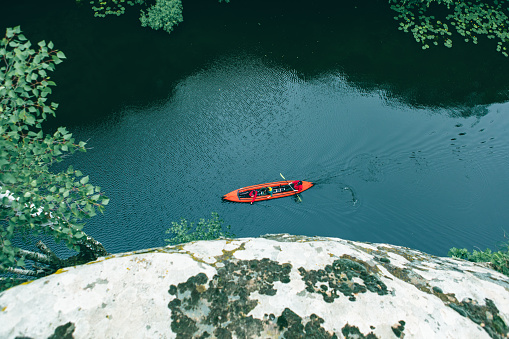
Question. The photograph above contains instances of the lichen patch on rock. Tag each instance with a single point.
(339, 278)
(220, 307)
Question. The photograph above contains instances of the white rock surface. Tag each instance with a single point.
(274, 286)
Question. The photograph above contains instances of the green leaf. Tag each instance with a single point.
(9, 33)
(8, 178)
(89, 190)
(84, 180)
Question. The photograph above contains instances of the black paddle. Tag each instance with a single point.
(289, 184)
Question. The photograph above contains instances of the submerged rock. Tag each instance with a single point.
(276, 286)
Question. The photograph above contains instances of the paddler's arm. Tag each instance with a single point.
(254, 196)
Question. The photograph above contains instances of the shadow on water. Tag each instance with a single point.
(113, 62)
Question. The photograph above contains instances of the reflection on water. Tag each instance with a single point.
(103, 72)
(385, 172)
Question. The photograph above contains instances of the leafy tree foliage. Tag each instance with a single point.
(498, 260)
(156, 14)
(36, 201)
(205, 230)
(432, 21)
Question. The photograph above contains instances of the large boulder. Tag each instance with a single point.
(273, 286)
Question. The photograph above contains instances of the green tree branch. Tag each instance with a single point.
(35, 200)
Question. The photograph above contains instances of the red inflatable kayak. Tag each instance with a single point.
(279, 189)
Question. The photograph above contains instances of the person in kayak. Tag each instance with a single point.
(253, 194)
(297, 185)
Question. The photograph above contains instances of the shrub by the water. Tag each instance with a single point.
(498, 260)
(205, 230)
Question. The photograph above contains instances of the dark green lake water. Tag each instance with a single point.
(406, 146)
